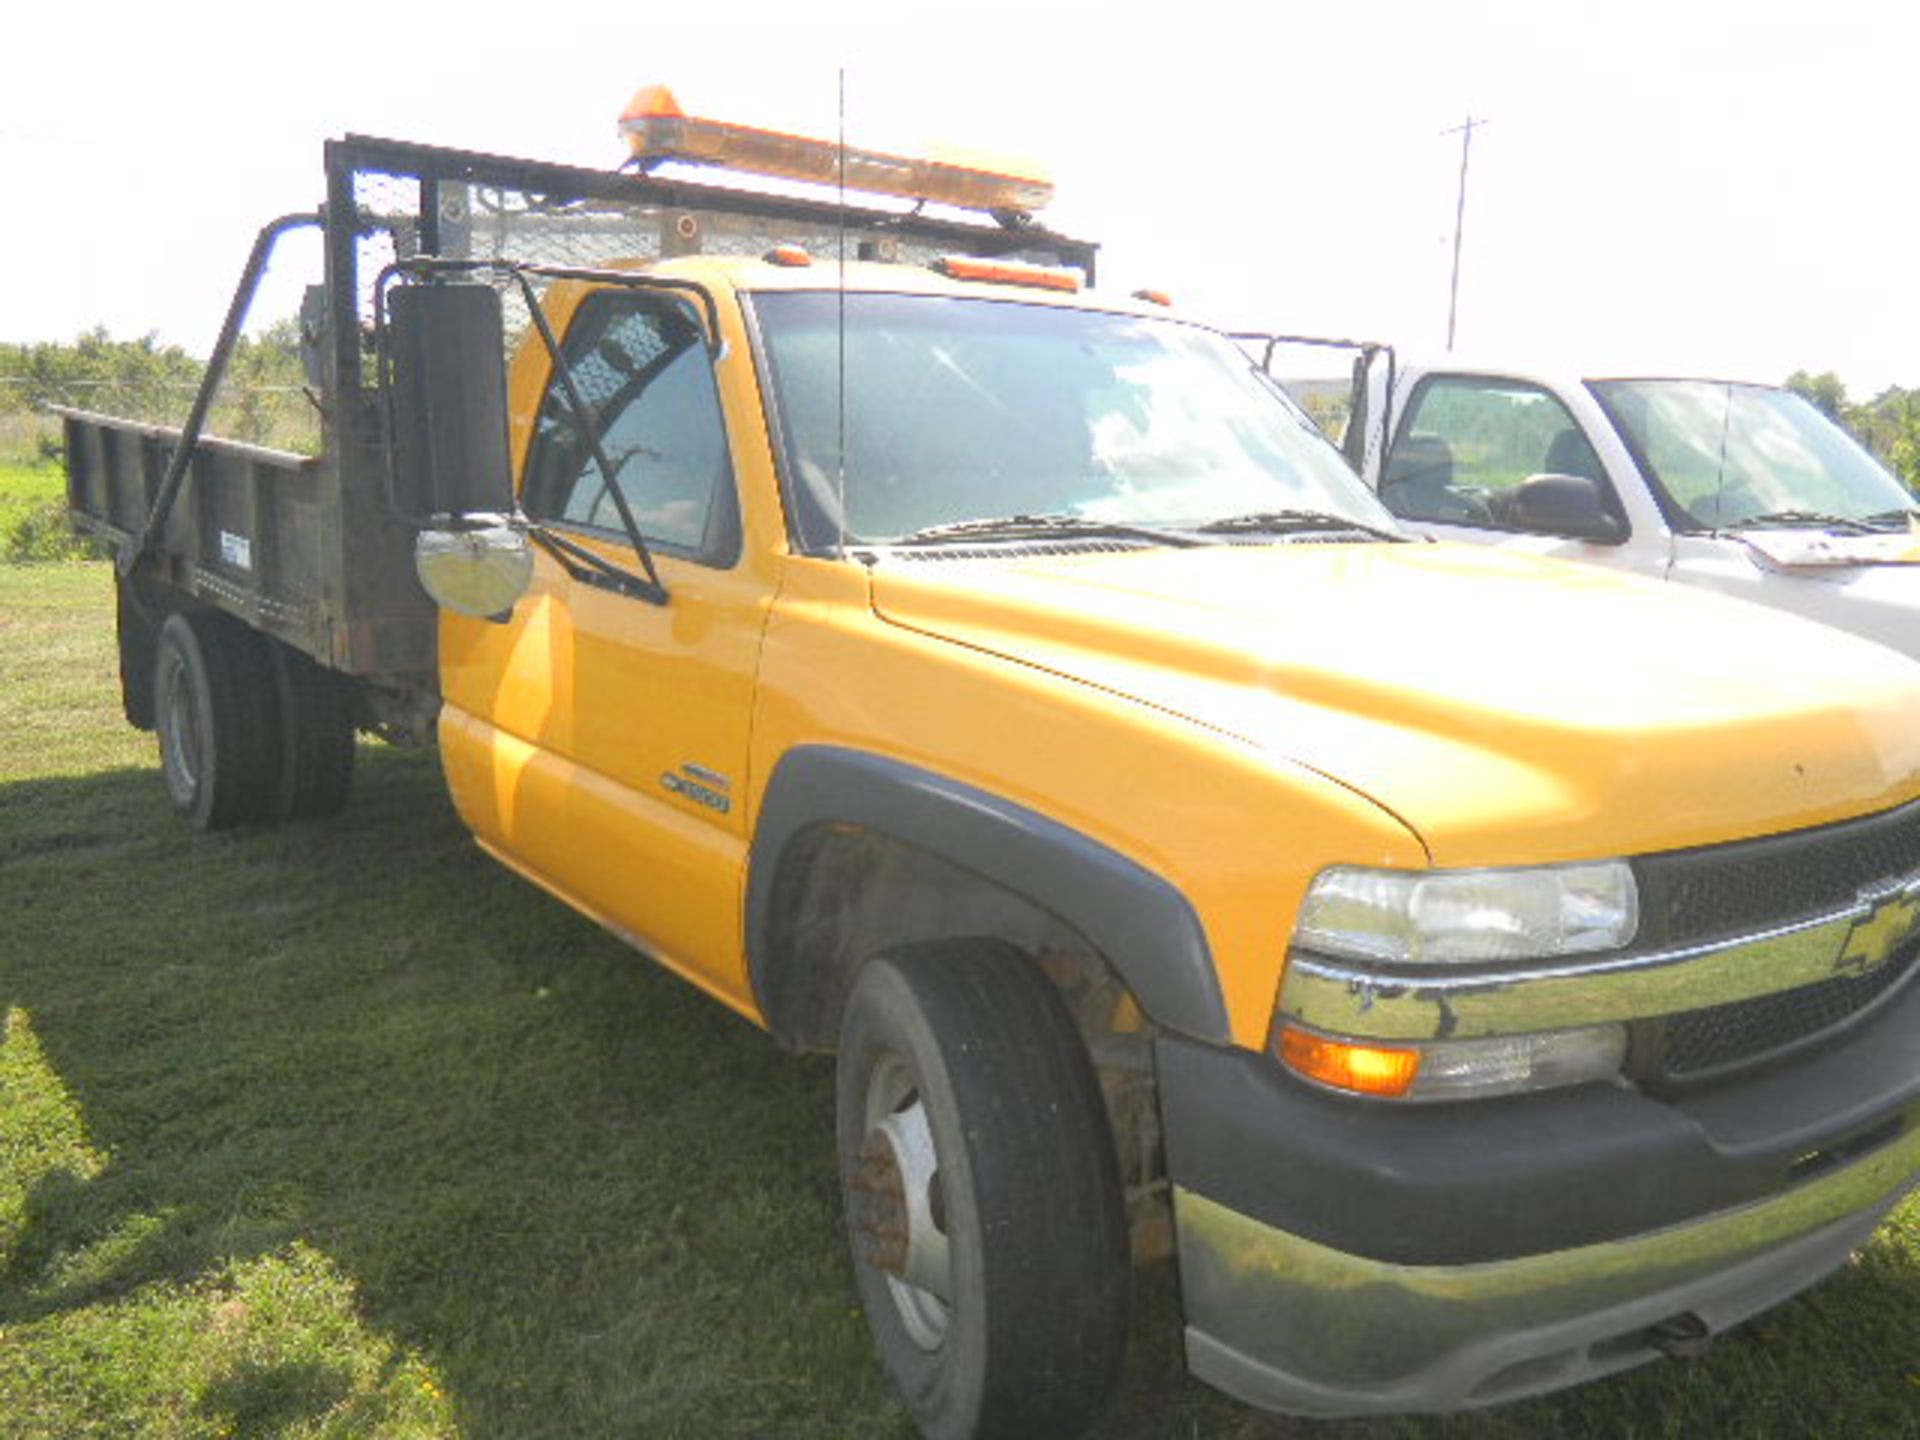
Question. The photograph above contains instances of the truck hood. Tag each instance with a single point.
(1878, 601)
(1507, 709)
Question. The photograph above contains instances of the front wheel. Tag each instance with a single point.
(983, 1201)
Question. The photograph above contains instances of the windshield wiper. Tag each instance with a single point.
(1894, 519)
(1282, 522)
(1820, 518)
(1025, 527)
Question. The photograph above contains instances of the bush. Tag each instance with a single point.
(40, 533)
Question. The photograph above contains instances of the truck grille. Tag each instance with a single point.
(1725, 890)
(1720, 891)
(1702, 1043)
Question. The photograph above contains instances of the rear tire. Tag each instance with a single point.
(982, 1196)
(217, 718)
(316, 736)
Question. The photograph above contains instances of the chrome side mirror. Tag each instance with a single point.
(481, 570)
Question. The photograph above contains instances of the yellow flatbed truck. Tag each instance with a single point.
(1482, 974)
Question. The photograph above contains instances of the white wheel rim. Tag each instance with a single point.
(182, 730)
(899, 1203)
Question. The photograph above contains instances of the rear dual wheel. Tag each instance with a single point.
(983, 1201)
(249, 730)
(217, 720)
(315, 711)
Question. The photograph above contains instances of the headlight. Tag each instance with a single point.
(1455, 916)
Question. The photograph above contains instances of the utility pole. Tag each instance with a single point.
(1465, 132)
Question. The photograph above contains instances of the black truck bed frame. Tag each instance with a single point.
(308, 549)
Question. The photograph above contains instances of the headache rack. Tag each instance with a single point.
(306, 547)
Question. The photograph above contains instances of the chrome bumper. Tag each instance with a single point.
(1286, 1324)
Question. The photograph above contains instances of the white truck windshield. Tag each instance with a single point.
(1724, 455)
(947, 410)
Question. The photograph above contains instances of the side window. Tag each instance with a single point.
(640, 363)
(1467, 444)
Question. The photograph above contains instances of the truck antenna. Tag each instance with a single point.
(1465, 132)
(840, 459)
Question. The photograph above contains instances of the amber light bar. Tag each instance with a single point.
(1007, 272)
(657, 128)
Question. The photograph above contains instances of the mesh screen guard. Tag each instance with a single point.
(410, 200)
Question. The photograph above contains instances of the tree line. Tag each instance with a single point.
(1888, 424)
(263, 399)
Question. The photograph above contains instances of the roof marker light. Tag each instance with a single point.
(657, 128)
(1007, 272)
(1154, 297)
(793, 256)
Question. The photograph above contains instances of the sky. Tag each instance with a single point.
(1682, 188)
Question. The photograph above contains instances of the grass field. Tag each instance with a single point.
(33, 513)
(340, 1130)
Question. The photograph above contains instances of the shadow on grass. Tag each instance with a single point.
(594, 1202)
(255, 1402)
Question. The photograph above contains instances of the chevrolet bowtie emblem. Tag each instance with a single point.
(1892, 913)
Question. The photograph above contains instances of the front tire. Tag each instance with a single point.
(982, 1196)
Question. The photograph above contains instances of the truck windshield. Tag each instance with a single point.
(954, 410)
(1741, 455)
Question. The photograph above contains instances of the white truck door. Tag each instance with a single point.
(1469, 452)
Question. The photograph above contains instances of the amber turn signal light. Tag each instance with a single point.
(1347, 1065)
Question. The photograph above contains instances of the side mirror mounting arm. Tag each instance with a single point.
(588, 568)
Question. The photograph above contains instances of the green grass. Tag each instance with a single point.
(33, 513)
(340, 1130)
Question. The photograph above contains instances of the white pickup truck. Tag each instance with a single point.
(1746, 489)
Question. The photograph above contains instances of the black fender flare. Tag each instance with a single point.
(1137, 920)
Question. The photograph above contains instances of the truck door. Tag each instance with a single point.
(599, 741)
(1466, 446)
(1370, 399)
(1350, 413)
